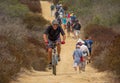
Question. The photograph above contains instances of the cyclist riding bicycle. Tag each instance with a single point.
(51, 35)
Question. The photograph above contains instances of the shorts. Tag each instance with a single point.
(50, 43)
(77, 32)
(76, 64)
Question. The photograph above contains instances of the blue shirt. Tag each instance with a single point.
(77, 54)
(89, 43)
(64, 20)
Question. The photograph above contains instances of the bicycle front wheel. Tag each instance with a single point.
(54, 69)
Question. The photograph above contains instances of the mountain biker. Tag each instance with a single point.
(85, 52)
(52, 34)
(77, 54)
(88, 42)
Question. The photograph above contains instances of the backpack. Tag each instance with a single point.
(52, 7)
(77, 26)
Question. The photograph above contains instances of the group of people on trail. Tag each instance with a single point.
(68, 21)
(82, 53)
(58, 26)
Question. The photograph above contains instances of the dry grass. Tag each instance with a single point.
(105, 54)
(19, 48)
(33, 5)
(35, 21)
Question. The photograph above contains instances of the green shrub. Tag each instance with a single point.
(13, 8)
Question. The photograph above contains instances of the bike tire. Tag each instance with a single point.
(54, 69)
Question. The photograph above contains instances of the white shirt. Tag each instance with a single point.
(84, 48)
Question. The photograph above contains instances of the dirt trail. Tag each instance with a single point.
(65, 71)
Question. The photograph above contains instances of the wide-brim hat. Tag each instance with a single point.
(80, 41)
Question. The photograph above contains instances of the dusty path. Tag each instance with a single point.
(65, 72)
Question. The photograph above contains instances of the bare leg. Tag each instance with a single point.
(75, 68)
(58, 49)
(49, 55)
(68, 34)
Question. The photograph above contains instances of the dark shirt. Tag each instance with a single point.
(77, 26)
(54, 34)
(89, 43)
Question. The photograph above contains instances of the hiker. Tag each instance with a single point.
(56, 14)
(64, 22)
(76, 29)
(88, 42)
(68, 28)
(85, 52)
(77, 54)
(52, 7)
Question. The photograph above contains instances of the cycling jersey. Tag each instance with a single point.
(53, 35)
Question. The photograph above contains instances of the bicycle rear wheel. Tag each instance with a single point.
(54, 69)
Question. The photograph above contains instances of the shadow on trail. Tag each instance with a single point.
(47, 73)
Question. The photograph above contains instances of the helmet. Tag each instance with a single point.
(55, 22)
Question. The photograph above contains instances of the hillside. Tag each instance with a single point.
(21, 44)
(102, 12)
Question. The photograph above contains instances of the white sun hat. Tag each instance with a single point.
(80, 40)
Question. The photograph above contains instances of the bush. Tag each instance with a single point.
(35, 21)
(105, 53)
(13, 8)
(101, 12)
(112, 58)
(19, 48)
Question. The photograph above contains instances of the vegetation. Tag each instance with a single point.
(106, 46)
(102, 12)
(21, 44)
(96, 16)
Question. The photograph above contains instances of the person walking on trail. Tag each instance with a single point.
(85, 52)
(77, 54)
(56, 14)
(52, 8)
(88, 42)
(76, 29)
(64, 22)
(73, 18)
(52, 34)
(57, 6)
(68, 16)
(68, 28)
(59, 20)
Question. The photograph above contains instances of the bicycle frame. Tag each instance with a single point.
(54, 58)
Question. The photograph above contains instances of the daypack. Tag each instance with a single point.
(77, 26)
(52, 7)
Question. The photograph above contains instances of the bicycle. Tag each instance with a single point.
(54, 58)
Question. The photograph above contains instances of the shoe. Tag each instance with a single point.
(58, 58)
(50, 66)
